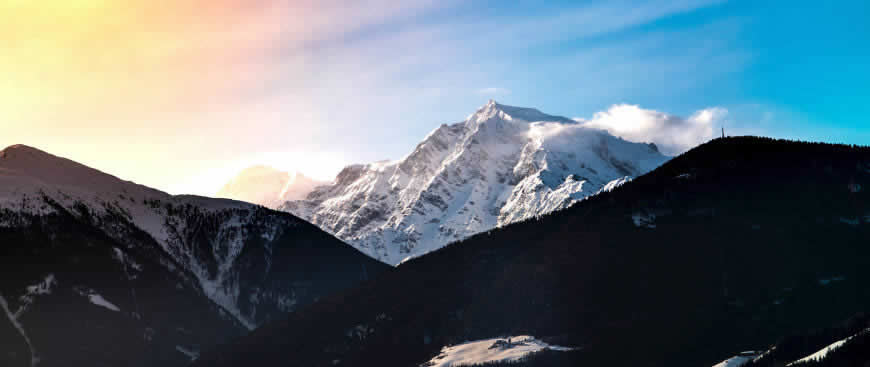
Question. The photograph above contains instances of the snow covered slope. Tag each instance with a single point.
(738, 360)
(511, 349)
(251, 261)
(501, 165)
(267, 186)
(823, 353)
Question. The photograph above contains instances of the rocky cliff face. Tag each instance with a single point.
(501, 165)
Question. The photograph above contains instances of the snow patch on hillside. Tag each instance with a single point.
(735, 361)
(192, 354)
(102, 302)
(738, 360)
(510, 349)
(97, 299)
(644, 220)
(41, 288)
(13, 319)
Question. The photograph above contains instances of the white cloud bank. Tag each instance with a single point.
(672, 134)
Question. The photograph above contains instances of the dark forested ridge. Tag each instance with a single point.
(854, 352)
(723, 249)
(86, 290)
(157, 309)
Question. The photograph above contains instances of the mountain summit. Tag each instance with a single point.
(28, 163)
(268, 186)
(493, 109)
(501, 165)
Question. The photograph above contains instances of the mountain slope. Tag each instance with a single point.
(724, 248)
(845, 344)
(267, 186)
(501, 165)
(121, 245)
(70, 292)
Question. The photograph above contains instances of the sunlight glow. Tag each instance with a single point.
(317, 165)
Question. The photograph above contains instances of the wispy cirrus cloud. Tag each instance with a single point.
(579, 53)
(208, 81)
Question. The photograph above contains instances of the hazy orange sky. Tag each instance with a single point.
(180, 95)
(155, 91)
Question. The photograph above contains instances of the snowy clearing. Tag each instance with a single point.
(509, 349)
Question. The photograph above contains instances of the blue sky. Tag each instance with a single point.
(316, 84)
(794, 69)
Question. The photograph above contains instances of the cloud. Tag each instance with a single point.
(672, 134)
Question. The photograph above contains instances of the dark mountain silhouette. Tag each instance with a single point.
(843, 345)
(95, 271)
(157, 309)
(724, 248)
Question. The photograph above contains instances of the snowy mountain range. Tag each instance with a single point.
(268, 187)
(501, 165)
(148, 260)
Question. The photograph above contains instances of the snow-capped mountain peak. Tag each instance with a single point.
(493, 109)
(29, 172)
(500, 165)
